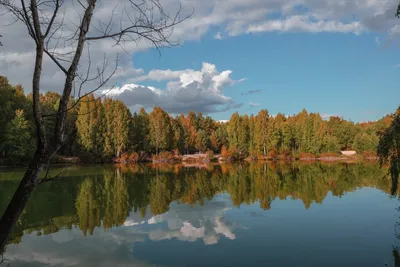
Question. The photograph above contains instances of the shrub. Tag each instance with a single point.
(210, 154)
(163, 157)
(123, 158)
(306, 156)
(369, 154)
(227, 155)
(272, 154)
(329, 155)
(285, 154)
(133, 157)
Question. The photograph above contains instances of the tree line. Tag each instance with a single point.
(99, 130)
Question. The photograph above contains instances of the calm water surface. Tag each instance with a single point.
(229, 215)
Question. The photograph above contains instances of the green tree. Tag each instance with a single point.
(11, 99)
(122, 117)
(202, 141)
(365, 142)
(389, 149)
(177, 135)
(18, 141)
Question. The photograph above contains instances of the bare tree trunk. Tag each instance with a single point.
(20, 198)
(34, 18)
(31, 176)
(265, 153)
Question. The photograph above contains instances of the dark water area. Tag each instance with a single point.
(211, 215)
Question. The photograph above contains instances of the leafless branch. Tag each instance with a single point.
(3, 260)
(48, 178)
(143, 26)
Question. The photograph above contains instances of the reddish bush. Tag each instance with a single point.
(306, 156)
(176, 152)
(329, 155)
(285, 154)
(369, 155)
(224, 152)
(122, 159)
(163, 157)
(133, 157)
(272, 154)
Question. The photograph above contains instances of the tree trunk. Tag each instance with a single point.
(20, 198)
(31, 176)
(265, 153)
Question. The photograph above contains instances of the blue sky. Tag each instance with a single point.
(330, 73)
(332, 57)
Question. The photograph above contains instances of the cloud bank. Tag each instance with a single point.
(199, 90)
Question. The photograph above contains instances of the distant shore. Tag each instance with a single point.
(203, 158)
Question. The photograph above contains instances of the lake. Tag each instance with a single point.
(207, 215)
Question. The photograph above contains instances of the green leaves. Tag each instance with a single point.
(18, 144)
(389, 149)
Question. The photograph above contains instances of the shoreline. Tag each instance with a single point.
(193, 159)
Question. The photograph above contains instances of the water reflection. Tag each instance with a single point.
(108, 216)
(93, 197)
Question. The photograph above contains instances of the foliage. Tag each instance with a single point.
(163, 157)
(389, 149)
(202, 141)
(100, 130)
(18, 142)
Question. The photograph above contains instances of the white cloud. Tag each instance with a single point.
(299, 23)
(252, 104)
(326, 116)
(377, 41)
(218, 36)
(186, 90)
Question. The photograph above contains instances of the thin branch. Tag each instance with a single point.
(49, 179)
(56, 61)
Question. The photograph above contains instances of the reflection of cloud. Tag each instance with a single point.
(115, 246)
(209, 231)
(132, 223)
(221, 228)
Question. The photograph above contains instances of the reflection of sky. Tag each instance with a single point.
(114, 247)
(355, 230)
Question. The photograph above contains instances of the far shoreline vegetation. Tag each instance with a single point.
(105, 131)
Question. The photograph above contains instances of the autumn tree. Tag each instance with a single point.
(121, 123)
(160, 129)
(261, 134)
(238, 134)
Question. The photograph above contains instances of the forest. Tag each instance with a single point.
(101, 130)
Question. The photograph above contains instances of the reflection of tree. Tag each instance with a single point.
(116, 199)
(88, 207)
(105, 198)
(160, 195)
